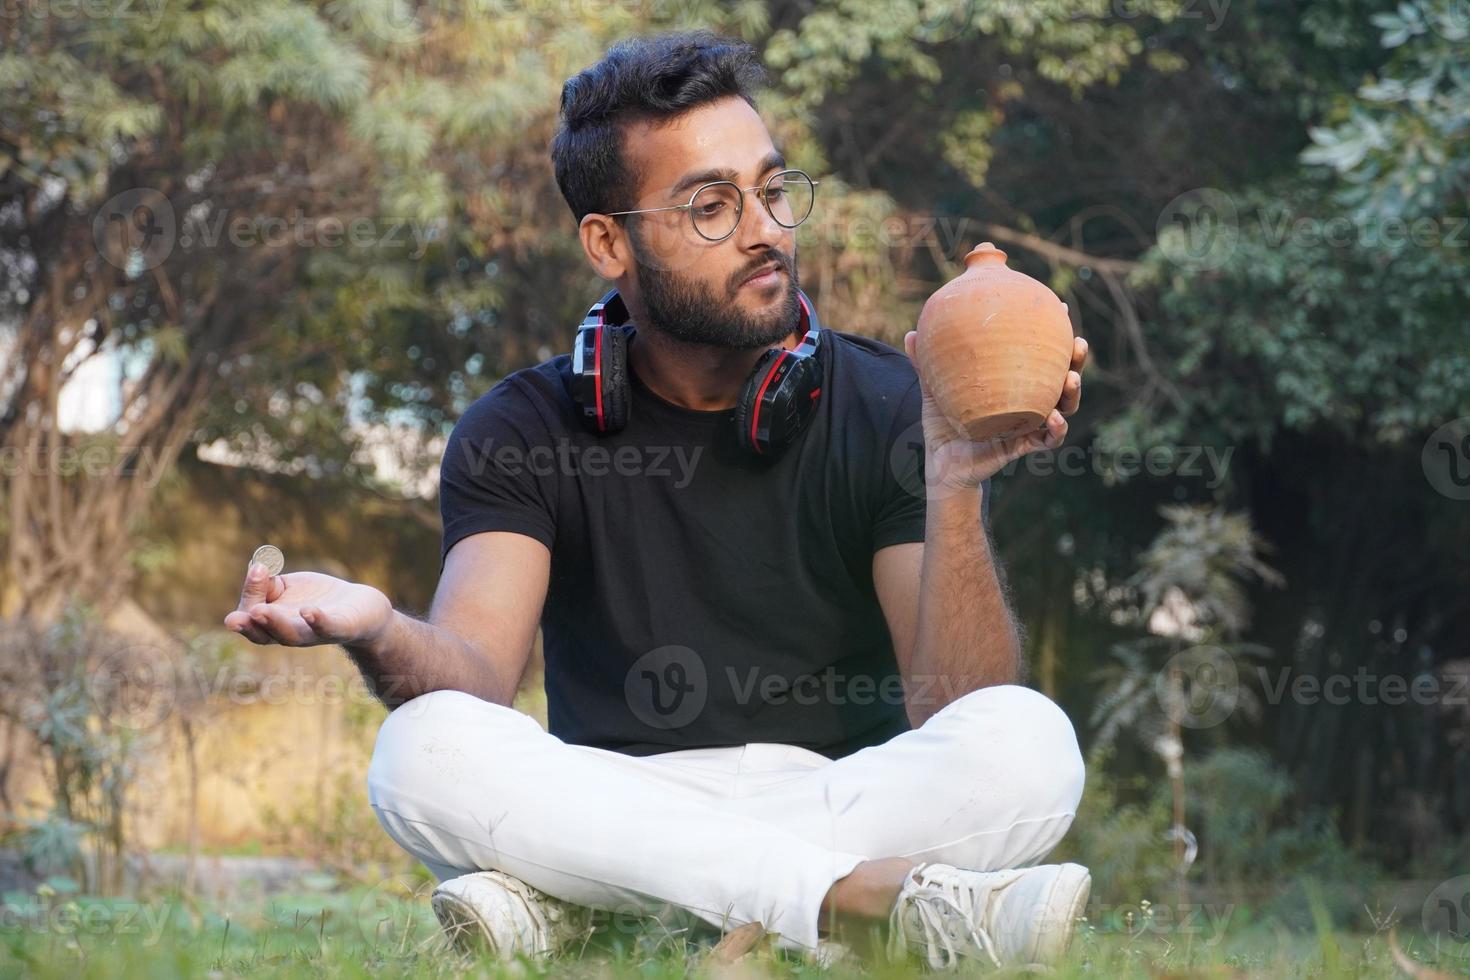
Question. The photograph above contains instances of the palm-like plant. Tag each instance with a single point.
(1191, 590)
(1208, 556)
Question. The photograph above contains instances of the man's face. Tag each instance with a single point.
(694, 289)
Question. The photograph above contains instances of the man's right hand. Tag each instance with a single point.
(302, 609)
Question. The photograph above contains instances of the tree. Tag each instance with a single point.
(288, 217)
(1191, 596)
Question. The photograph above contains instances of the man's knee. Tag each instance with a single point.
(436, 737)
(1030, 735)
(428, 751)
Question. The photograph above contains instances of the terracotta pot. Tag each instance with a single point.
(994, 347)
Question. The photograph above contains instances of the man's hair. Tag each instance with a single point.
(645, 78)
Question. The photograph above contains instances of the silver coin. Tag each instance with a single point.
(270, 556)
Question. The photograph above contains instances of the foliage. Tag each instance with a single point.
(1136, 698)
(1072, 43)
(99, 708)
(1190, 591)
(1207, 556)
(331, 935)
(1299, 274)
(1400, 141)
(1305, 314)
(1119, 834)
(70, 688)
(340, 831)
(1257, 844)
(1306, 351)
(1253, 831)
(1212, 188)
(54, 842)
(263, 136)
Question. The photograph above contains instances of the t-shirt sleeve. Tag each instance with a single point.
(899, 516)
(497, 471)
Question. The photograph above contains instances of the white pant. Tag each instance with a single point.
(747, 833)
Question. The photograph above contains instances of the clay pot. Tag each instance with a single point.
(994, 347)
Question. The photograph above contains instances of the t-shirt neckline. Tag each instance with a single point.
(706, 417)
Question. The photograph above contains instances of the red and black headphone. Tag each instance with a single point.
(777, 401)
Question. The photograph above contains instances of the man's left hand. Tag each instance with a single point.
(954, 461)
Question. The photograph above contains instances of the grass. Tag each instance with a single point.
(388, 930)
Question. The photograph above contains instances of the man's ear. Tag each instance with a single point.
(604, 244)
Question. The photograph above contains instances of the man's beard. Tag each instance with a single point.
(690, 311)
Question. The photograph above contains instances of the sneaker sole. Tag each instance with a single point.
(462, 925)
(1069, 894)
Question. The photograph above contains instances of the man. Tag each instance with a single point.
(780, 666)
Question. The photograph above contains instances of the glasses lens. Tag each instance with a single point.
(716, 210)
(789, 196)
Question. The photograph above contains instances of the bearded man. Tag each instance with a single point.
(781, 670)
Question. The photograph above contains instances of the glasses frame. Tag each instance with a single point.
(762, 189)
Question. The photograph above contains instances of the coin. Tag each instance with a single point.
(270, 556)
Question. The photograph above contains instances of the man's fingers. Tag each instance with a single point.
(321, 623)
(240, 622)
(1071, 393)
(257, 585)
(1079, 354)
(1056, 430)
(285, 627)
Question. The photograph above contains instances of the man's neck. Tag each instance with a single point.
(693, 376)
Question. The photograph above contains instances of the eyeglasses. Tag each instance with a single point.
(715, 208)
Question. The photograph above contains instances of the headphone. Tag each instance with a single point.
(776, 402)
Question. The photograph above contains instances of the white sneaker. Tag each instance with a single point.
(491, 910)
(1010, 918)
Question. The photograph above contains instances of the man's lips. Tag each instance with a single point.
(763, 277)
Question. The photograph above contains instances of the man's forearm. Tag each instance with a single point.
(967, 637)
(413, 657)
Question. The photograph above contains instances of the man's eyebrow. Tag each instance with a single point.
(773, 160)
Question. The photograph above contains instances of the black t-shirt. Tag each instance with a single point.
(700, 595)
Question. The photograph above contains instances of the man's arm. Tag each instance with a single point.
(945, 603)
(945, 599)
(476, 639)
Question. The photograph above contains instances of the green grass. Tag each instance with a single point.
(389, 931)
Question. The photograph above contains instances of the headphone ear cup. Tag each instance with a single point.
(745, 407)
(615, 384)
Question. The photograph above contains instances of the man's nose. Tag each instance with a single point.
(758, 228)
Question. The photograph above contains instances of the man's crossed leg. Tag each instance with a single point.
(759, 833)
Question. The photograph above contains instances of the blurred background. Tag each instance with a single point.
(257, 256)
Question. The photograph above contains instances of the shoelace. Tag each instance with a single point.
(541, 938)
(937, 898)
